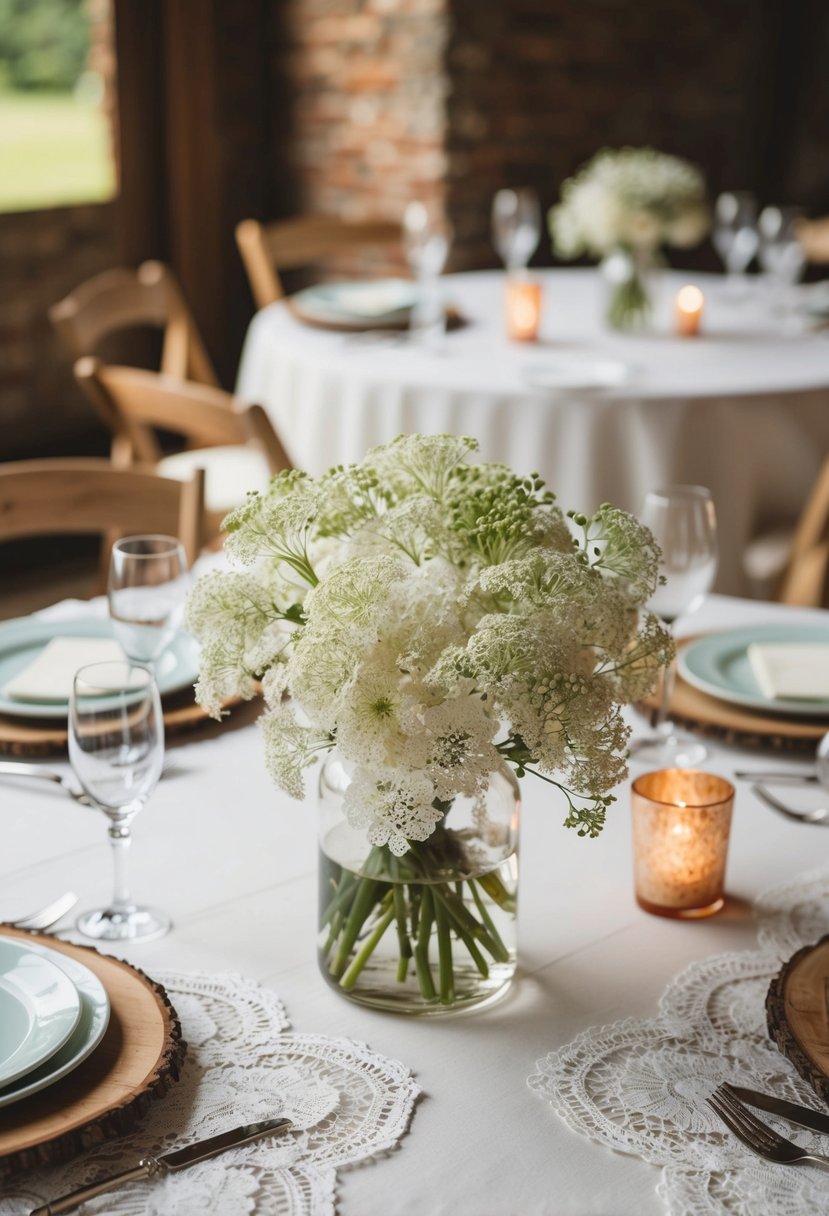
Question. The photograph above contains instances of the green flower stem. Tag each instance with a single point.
(446, 975)
(350, 977)
(488, 921)
(421, 951)
(629, 304)
(464, 923)
(342, 893)
(366, 895)
(496, 891)
(404, 945)
(336, 925)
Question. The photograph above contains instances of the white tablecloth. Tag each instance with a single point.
(234, 862)
(743, 408)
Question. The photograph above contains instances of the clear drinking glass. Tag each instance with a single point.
(148, 583)
(116, 749)
(684, 523)
(735, 235)
(781, 254)
(426, 239)
(516, 226)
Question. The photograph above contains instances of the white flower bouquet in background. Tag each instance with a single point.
(436, 621)
(630, 202)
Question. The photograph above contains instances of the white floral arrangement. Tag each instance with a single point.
(634, 198)
(434, 619)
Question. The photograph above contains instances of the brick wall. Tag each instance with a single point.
(44, 254)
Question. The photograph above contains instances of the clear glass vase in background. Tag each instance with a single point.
(116, 749)
(684, 522)
(628, 283)
(426, 239)
(147, 587)
(431, 932)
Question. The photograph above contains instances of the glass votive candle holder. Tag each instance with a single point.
(523, 298)
(681, 827)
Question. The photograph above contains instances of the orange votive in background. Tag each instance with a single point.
(688, 310)
(523, 309)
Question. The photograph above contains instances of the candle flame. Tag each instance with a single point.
(689, 299)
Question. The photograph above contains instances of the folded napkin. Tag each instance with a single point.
(793, 670)
(49, 677)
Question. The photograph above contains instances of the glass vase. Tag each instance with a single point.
(434, 931)
(627, 288)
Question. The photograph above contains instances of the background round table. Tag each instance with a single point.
(742, 408)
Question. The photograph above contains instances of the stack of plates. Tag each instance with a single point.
(356, 305)
(53, 1014)
(719, 665)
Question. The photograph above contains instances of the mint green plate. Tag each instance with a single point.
(92, 1024)
(22, 640)
(39, 1009)
(719, 665)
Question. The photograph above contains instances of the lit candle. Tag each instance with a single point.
(681, 826)
(523, 305)
(689, 303)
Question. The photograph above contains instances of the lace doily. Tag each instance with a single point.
(639, 1086)
(346, 1103)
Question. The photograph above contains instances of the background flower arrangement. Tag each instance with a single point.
(630, 200)
(434, 620)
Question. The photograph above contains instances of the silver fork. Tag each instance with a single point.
(758, 1136)
(819, 814)
(17, 768)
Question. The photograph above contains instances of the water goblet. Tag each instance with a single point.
(684, 524)
(148, 582)
(781, 253)
(426, 238)
(116, 749)
(735, 235)
(516, 226)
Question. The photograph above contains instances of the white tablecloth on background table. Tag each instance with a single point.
(743, 408)
(234, 861)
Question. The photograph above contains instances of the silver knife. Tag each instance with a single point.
(803, 1115)
(784, 778)
(179, 1159)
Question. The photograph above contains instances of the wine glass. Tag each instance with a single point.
(781, 254)
(684, 524)
(426, 239)
(148, 582)
(116, 749)
(516, 226)
(735, 235)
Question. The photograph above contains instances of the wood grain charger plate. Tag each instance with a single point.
(708, 715)
(47, 737)
(797, 1016)
(138, 1059)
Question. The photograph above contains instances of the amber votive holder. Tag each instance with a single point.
(522, 300)
(681, 828)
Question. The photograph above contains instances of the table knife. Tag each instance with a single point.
(803, 1115)
(179, 1159)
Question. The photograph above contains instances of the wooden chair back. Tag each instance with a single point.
(286, 244)
(62, 497)
(132, 402)
(129, 299)
(806, 577)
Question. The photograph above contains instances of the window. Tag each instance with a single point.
(56, 103)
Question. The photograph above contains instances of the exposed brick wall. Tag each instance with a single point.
(44, 254)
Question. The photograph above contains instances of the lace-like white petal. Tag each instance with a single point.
(346, 1103)
(639, 1086)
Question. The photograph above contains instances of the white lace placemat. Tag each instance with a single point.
(346, 1103)
(639, 1086)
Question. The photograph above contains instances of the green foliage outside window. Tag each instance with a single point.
(43, 43)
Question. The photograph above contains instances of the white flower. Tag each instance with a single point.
(393, 808)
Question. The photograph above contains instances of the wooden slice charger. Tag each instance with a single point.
(136, 1062)
(797, 1014)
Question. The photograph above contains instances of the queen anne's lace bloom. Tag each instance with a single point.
(412, 609)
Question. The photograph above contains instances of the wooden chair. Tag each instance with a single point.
(67, 497)
(129, 299)
(796, 564)
(287, 244)
(235, 443)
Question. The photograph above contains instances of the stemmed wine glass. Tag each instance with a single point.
(684, 524)
(426, 238)
(116, 749)
(781, 254)
(516, 227)
(148, 582)
(735, 235)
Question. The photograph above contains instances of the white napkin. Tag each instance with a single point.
(794, 670)
(49, 677)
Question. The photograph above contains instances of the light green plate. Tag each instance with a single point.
(22, 640)
(380, 302)
(39, 1009)
(719, 665)
(91, 1027)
